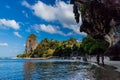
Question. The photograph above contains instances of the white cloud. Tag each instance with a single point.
(17, 34)
(75, 28)
(24, 3)
(4, 44)
(9, 23)
(50, 29)
(46, 12)
(61, 12)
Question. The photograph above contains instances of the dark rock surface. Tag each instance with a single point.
(101, 20)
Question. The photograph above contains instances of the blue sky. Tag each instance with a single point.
(52, 19)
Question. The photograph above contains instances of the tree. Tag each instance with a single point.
(90, 45)
(67, 48)
(94, 46)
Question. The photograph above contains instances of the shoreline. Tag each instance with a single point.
(115, 64)
(37, 58)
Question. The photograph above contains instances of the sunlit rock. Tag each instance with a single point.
(31, 43)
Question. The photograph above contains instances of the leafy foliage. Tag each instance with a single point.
(90, 45)
(44, 46)
(23, 55)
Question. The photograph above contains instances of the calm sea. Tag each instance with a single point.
(23, 69)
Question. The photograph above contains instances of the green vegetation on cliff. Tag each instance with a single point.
(91, 46)
(68, 48)
(47, 48)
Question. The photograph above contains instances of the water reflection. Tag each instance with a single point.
(55, 70)
(28, 70)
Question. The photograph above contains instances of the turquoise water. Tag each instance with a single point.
(21, 69)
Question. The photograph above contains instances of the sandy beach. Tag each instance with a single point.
(38, 58)
(108, 62)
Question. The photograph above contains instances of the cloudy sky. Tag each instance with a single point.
(51, 19)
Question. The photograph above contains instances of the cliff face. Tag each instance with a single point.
(100, 18)
(113, 37)
(31, 44)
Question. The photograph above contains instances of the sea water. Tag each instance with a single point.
(53, 69)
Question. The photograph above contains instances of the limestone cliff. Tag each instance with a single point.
(31, 43)
(100, 18)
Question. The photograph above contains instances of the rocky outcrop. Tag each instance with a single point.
(101, 20)
(31, 43)
(113, 37)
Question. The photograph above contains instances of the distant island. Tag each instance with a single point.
(50, 48)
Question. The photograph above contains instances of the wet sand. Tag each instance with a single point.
(106, 72)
